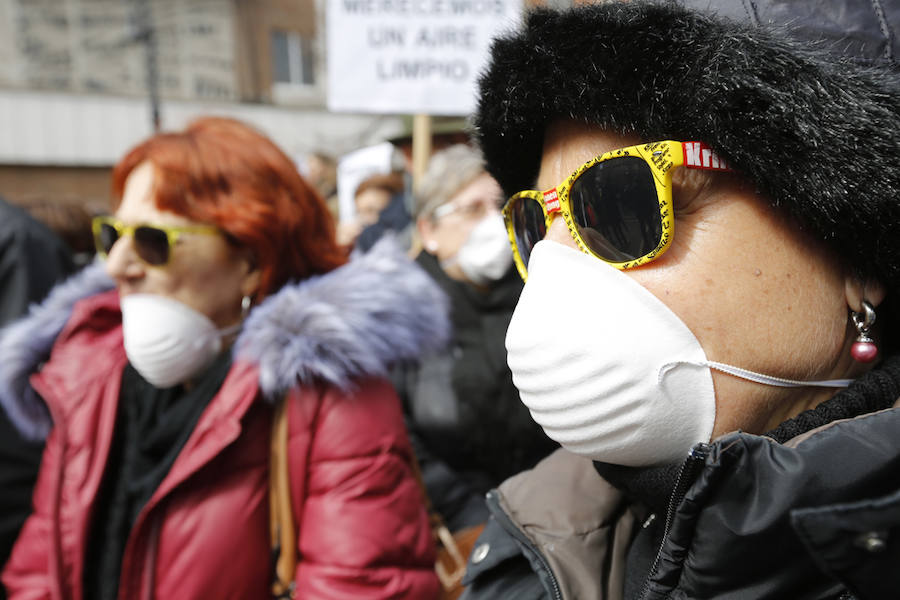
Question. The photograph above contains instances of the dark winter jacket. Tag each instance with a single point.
(325, 344)
(469, 428)
(817, 517)
(32, 260)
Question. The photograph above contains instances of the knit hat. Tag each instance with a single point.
(814, 125)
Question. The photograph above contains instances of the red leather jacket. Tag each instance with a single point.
(363, 530)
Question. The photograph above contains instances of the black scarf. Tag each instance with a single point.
(152, 426)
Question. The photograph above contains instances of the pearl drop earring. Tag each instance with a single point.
(864, 348)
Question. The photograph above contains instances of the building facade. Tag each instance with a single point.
(81, 81)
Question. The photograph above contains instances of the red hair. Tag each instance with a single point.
(222, 172)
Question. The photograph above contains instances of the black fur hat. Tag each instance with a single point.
(816, 131)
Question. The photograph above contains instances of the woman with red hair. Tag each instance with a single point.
(155, 377)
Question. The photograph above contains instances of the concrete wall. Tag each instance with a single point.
(93, 46)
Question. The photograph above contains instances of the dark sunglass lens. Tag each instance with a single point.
(614, 204)
(106, 237)
(152, 245)
(529, 225)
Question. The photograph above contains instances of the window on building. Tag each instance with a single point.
(292, 58)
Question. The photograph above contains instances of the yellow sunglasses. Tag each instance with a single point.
(617, 206)
(152, 243)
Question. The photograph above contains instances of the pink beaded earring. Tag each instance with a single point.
(864, 348)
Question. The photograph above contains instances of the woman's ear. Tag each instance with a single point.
(426, 233)
(856, 290)
(250, 282)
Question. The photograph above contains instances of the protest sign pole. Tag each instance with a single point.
(421, 146)
(421, 152)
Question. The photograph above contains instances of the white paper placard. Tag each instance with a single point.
(356, 166)
(411, 56)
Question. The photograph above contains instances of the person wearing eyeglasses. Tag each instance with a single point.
(703, 205)
(468, 427)
(155, 375)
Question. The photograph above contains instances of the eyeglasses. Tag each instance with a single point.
(617, 206)
(152, 243)
(471, 210)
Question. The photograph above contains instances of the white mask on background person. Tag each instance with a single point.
(166, 341)
(606, 368)
(486, 255)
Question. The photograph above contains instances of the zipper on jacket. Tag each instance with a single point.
(686, 476)
(506, 522)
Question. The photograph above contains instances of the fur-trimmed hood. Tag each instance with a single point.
(357, 320)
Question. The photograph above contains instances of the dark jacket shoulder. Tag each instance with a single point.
(819, 514)
(562, 521)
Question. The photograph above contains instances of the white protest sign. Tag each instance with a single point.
(411, 56)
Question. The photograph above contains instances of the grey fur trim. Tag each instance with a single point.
(378, 309)
(26, 343)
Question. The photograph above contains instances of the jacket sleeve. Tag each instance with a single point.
(27, 575)
(363, 528)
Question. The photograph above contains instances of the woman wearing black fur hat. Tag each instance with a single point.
(705, 213)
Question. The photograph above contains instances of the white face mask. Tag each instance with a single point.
(166, 341)
(607, 369)
(485, 256)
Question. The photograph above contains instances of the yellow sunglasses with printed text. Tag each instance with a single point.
(617, 206)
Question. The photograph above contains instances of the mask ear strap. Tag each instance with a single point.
(776, 381)
(764, 379)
